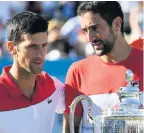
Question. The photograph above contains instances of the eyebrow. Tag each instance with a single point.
(38, 44)
(94, 25)
(33, 44)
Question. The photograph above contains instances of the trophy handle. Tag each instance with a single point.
(72, 110)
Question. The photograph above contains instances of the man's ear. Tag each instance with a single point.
(11, 47)
(116, 24)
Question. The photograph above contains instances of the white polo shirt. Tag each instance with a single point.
(19, 114)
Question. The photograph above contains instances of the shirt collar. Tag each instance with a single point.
(9, 83)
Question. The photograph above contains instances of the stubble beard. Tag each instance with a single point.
(107, 45)
(34, 70)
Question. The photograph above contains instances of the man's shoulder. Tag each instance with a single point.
(138, 44)
(1, 82)
(58, 83)
(3, 91)
(137, 52)
(44, 77)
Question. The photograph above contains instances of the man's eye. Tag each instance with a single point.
(85, 30)
(94, 28)
(44, 45)
(33, 46)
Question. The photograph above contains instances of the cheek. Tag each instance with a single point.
(45, 50)
(30, 53)
(24, 56)
(104, 33)
(27, 54)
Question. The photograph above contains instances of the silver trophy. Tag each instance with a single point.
(128, 118)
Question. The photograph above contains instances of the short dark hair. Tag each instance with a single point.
(108, 10)
(25, 23)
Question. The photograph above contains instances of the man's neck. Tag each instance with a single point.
(120, 52)
(24, 80)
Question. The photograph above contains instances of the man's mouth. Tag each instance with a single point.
(38, 62)
(96, 43)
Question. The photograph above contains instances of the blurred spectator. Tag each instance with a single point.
(58, 48)
(65, 36)
(4, 52)
(70, 30)
(136, 21)
(34, 6)
(10, 8)
(5, 10)
(126, 10)
(17, 6)
(126, 7)
(3, 48)
(51, 9)
(81, 44)
(2, 32)
(68, 9)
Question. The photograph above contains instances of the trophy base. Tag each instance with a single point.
(120, 124)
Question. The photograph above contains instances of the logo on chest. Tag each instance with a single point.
(49, 100)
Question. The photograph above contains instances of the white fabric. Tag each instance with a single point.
(60, 96)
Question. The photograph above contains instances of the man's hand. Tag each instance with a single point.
(66, 128)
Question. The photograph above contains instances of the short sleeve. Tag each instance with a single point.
(61, 96)
(72, 90)
(138, 44)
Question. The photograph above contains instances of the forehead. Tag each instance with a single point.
(38, 38)
(88, 19)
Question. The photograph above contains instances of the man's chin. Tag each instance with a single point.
(36, 71)
(99, 53)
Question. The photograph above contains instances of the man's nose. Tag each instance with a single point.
(91, 36)
(40, 52)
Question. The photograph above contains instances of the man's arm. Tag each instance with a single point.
(71, 92)
(66, 127)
